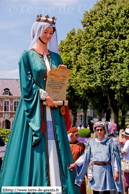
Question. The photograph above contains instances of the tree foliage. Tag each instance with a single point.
(69, 49)
(104, 60)
(99, 58)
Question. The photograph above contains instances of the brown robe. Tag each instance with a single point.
(77, 149)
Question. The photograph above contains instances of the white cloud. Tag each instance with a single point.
(10, 74)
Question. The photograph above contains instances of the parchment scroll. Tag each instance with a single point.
(56, 84)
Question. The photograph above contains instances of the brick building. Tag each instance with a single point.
(9, 97)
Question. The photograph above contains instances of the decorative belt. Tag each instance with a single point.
(101, 163)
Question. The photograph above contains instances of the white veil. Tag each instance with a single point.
(37, 29)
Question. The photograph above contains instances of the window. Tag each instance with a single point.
(6, 92)
(6, 106)
(15, 105)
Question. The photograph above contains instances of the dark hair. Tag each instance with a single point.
(53, 28)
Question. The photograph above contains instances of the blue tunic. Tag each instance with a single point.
(103, 179)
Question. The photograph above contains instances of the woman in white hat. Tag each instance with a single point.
(125, 152)
(104, 156)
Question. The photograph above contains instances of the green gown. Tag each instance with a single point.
(26, 158)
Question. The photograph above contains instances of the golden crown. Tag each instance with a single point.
(46, 19)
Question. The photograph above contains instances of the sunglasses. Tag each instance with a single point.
(99, 129)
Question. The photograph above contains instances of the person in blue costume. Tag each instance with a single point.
(105, 171)
(38, 151)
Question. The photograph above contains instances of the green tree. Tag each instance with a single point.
(69, 49)
(66, 47)
(99, 102)
(103, 61)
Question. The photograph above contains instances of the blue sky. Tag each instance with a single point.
(17, 18)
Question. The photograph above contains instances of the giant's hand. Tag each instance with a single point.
(50, 101)
(61, 66)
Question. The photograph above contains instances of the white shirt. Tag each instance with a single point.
(126, 149)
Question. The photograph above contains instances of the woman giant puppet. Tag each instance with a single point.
(38, 152)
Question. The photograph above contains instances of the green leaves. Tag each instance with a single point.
(99, 55)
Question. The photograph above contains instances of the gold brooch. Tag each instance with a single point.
(62, 110)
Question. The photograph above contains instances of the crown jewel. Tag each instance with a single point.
(46, 19)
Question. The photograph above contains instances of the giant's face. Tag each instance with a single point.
(46, 35)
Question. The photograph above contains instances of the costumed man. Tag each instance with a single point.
(77, 148)
(105, 170)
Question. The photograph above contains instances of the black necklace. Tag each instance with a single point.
(41, 40)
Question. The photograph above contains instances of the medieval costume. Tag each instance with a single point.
(38, 151)
(105, 161)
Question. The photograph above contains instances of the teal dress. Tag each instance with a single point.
(26, 157)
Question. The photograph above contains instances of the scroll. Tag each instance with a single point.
(56, 84)
(58, 103)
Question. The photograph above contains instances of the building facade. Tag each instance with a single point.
(9, 98)
(80, 116)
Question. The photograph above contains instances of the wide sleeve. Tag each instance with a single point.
(60, 60)
(31, 98)
(115, 157)
(86, 160)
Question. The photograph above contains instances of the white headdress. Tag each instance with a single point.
(37, 28)
(69, 135)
